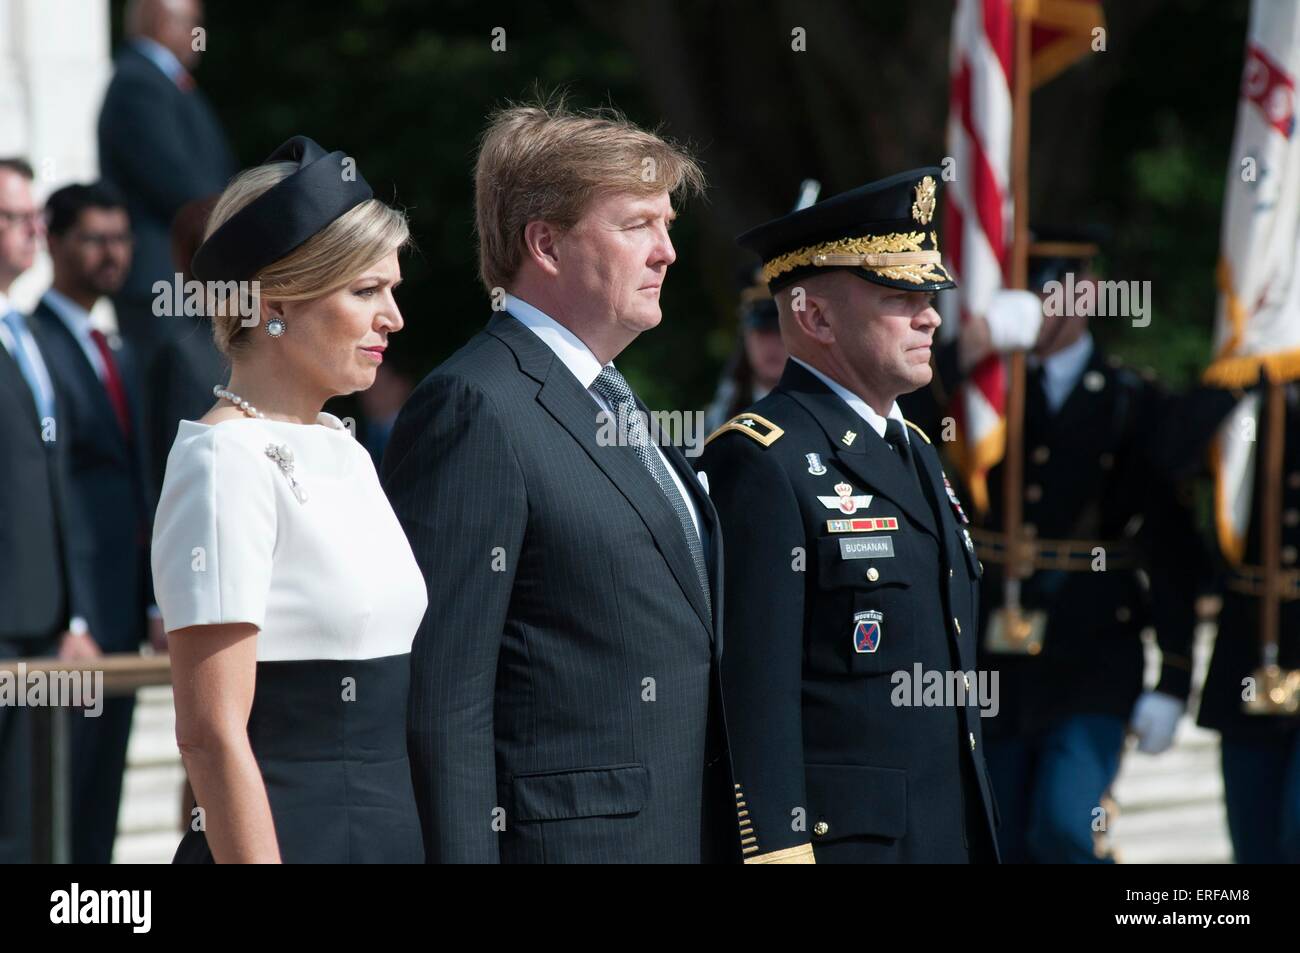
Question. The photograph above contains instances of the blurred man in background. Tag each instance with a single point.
(38, 590)
(161, 145)
(188, 358)
(758, 361)
(379, 408)
(1115, 551)
(96, 386)
(1252, 707)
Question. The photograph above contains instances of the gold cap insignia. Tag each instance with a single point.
(923, 207)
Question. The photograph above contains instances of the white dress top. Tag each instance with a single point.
(330, 576)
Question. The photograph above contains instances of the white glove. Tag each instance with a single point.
(1155, 718)
(1014, 318)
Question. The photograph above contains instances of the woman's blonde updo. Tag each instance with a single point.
(326, 262)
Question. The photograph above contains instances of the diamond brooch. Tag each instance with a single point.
(283, 458)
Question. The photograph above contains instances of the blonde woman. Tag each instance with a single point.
(288, 590)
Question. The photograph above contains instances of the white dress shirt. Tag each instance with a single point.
(30, 350)
(160, 56)
(1062, 370)
(860, 406)
(577, 357)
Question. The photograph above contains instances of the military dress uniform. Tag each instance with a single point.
(850, 578)
(1096, 486)
(1089, 490)
(1261, 751)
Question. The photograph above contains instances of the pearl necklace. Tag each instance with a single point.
(245, 406)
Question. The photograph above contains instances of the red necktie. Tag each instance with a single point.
(113, 382)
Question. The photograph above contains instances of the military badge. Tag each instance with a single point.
(923, 207)
(867, 547)
(815, 465)
(845, 501)
(848, 438)
(952, 498)
(867, 629)
(864, 525)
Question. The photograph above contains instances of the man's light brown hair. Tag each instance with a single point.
(546, 162)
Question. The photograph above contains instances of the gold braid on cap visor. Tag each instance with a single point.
(897, 256)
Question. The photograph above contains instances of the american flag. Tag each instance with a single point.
(978, 221)
(977, 217)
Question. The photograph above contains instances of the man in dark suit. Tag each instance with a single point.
(160, 145)
(852, 587)
(180, 377)
(42, 611)
(96, 386)
(565, 704)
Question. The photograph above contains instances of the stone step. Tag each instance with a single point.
(151, 800)
(151, 848)
(1172, 834)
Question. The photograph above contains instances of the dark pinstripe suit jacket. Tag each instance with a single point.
(564, 695)
(42, 580)
(108, 484)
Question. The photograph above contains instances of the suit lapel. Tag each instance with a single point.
(78, 374)
(712, 536)
(11, 378)
(866, 455)
(573, 408)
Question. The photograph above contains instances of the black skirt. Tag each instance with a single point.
(330, 738)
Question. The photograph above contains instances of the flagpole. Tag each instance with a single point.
(1014, 451)
(1270, 530)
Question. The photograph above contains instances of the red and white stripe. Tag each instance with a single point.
(978, 215)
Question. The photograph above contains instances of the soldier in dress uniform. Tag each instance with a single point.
(1260, 729)
(852, 584)
(1114, 550)
(759, 358)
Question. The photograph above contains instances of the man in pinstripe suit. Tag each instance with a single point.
(565, 702)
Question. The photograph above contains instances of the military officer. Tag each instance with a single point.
(852, 584)
(1114, 550)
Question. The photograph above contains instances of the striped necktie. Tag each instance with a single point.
(611, 385)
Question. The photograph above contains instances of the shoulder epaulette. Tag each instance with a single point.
(918, 430)
(753, 426)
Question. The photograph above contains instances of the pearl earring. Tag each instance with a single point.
(275, 327)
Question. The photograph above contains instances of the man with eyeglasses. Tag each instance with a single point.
(41, 607)
(96, 384)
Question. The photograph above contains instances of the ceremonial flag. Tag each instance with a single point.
(1258, 319)
(1063, 32)
(977, 216)
(978, 222)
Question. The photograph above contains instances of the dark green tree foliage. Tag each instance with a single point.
(1136, 137)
